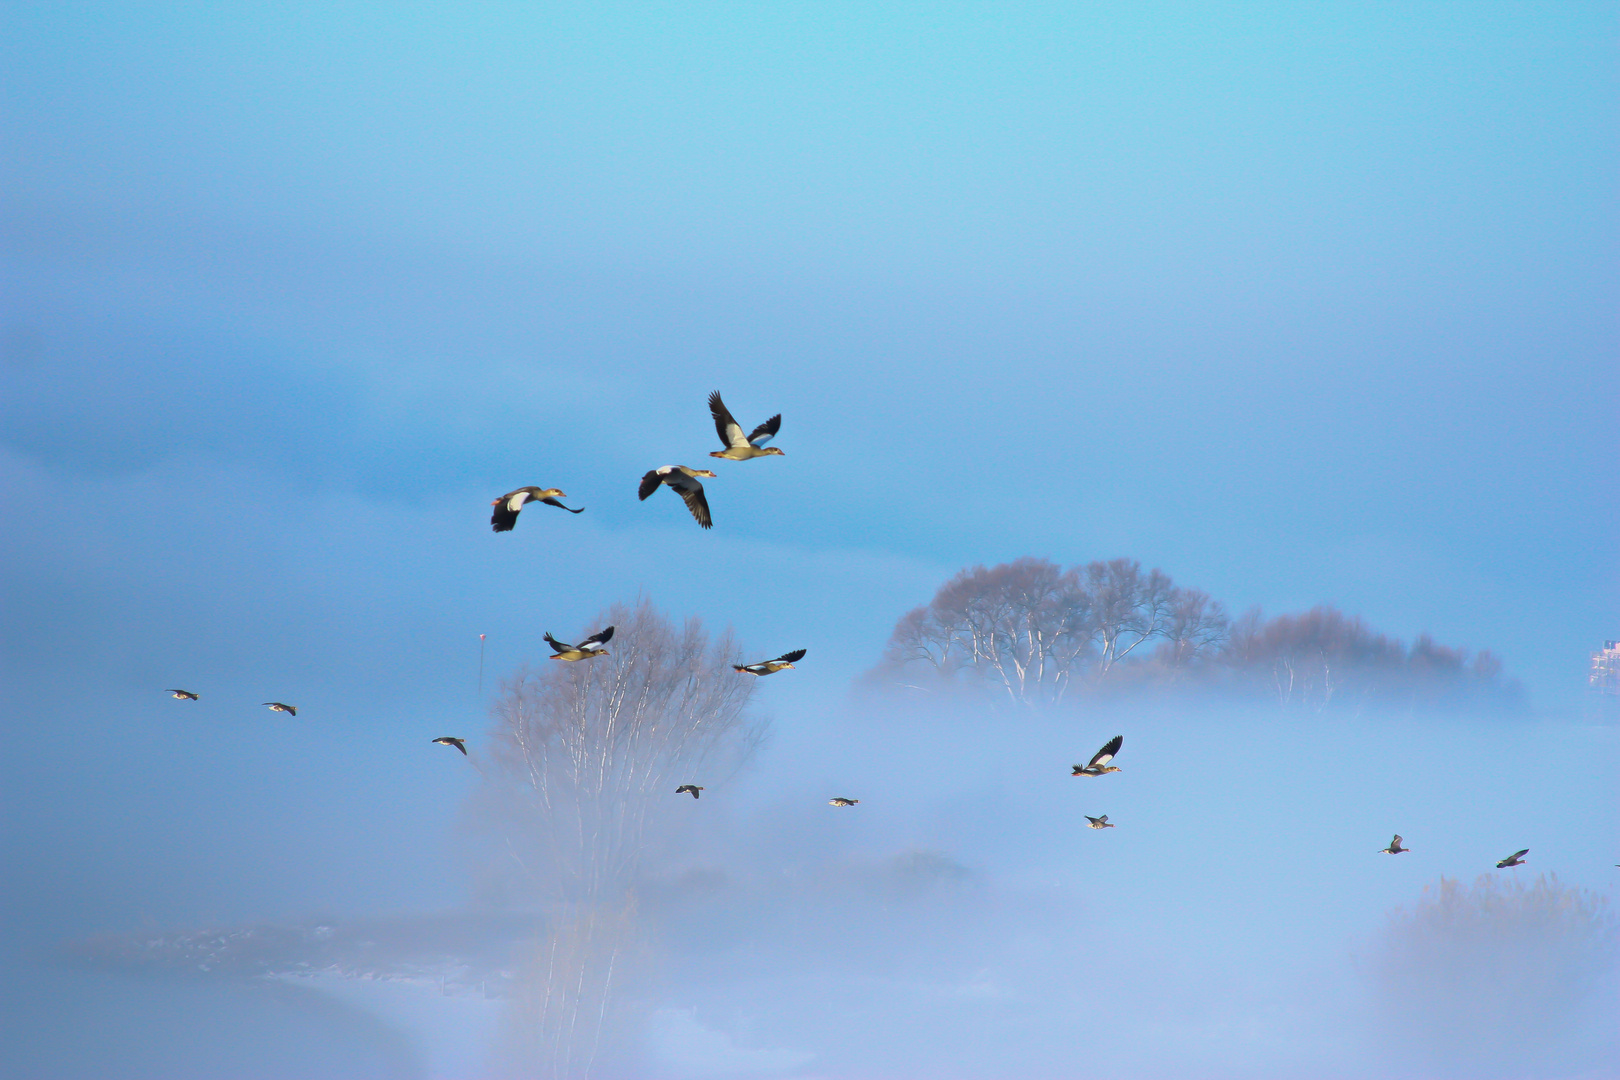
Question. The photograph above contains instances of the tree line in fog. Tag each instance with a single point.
(1029, 631)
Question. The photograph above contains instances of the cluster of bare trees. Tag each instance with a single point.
(1035, 632)
(582, 752)
(1323, 656)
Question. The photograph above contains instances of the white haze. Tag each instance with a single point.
(962, 920)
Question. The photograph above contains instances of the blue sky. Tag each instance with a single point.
(1299, 304)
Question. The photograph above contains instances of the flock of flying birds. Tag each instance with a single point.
(683, 480)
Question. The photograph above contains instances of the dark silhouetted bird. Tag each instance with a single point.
(451, 740)
(740, 447)
(1394, 847)
(1515, 859)
(584, 650)
(771, 667)
(1099, 761)
(683, 482)
(183, 695)
(276, 706)
(1099, 822)
(688, 789)
(508, 505)
(841, 801)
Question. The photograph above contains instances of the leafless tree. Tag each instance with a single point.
(1196, 630)
(582, 750)
(1127, 608)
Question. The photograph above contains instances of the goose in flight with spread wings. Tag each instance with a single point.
(1515, 859)
(1100, 822)
(1099, 761)
(689, 789)
(740, 447)
(508, 505)
(771, 667)
(591, 646)
(182, 695)
(276, 706)
(1394, 847)
(682, 481)
(451, 740)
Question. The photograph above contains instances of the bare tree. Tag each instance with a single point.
(582, 751)
(1127, 608)
(1019, 624)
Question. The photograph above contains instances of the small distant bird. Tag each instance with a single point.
(1100, 822)
(683, 482)
(1099, 761)
(276, 706)
(740, 447)
(689, 789)
(842, 802)
(451, 740)
(183, 695)
(1515, 859)
(771, 667)
(1394, 847)
(508, 505)
(584, 650)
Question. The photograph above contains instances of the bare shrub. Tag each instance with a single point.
(1494, 975)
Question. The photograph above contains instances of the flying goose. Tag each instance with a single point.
(689, 789)
(276, 706)
(841, 801)
(1099, 761)
(740, 447)
(508, 505)
(1515, 859)
(1394, 847)
(182, 695)
(683, 481)
(451, 740)
(1100, 822)
(584, 650)
(771, 667)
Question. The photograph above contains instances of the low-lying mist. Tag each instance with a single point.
(960, 919)
(963, 920)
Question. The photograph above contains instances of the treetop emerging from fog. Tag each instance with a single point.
(1030, 631)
